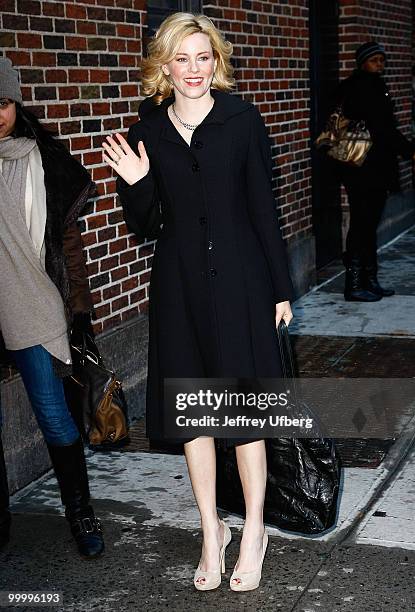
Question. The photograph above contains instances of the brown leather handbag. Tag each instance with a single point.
(96, 399)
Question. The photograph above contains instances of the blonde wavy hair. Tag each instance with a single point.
(165, 44)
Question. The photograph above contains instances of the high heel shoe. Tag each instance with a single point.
(248, 581)
(213, 577)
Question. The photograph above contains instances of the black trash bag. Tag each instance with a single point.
(303, 475)
(302, 484)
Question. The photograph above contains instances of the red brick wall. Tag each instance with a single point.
(78, 64)
(391, 24)
(271, 59)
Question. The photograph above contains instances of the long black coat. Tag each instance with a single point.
(365, 95)
(219, 265)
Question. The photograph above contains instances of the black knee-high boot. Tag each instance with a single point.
(354, 288)
(70, 469)
(5, 518)
(371, 277)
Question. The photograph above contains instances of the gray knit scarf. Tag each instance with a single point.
(31, 308)
(15, 155)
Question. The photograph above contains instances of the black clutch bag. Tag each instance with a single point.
(303, 474)
(96, 399)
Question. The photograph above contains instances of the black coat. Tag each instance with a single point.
(219, 265)
(365, 96)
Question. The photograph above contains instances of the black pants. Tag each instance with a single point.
(366, 207)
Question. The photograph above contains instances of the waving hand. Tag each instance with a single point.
(131, 166)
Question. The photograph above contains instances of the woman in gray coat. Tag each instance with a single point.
(45, 292)
(198, 162)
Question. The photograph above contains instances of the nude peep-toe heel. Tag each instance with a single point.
(213, 578)
(248, 581)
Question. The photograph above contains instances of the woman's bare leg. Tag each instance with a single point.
(252, 466)
(201, 462)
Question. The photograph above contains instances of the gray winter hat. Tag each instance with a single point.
(9, 81)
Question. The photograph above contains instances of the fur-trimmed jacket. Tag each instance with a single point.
(68, 187)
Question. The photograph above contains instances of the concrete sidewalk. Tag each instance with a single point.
(153, 543)
(391, 521)
(367, 562)
(323, 311)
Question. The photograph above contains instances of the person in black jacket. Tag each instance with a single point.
(365, 95)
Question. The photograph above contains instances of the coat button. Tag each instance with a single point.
(195, 167)
(198, 144)
(202, 220)
(213, 272)
(210, 245)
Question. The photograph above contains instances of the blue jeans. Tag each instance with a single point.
(46, 395)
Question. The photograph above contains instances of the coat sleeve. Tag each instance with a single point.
(384, 130)
(80, 296)
(140, 201)
(262, 208)
(362, 103)
(400, 144)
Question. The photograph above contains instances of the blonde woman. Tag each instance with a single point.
(219, 283)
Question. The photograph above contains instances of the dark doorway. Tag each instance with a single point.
(324, 75)
(157, 10)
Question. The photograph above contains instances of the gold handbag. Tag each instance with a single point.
(347, 140)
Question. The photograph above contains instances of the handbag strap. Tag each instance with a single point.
(287, 361)
(287, 358)
(88, 346)
(289, 374)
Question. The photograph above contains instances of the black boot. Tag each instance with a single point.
(70, 469)
(371, 279)
(5, 517)
(354, 289)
